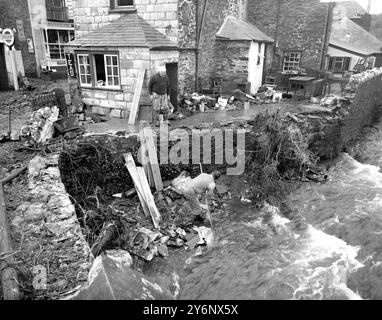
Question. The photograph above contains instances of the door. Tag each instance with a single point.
(172, 73)
(3, 70)
(256, 65)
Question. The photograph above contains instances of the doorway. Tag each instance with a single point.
(172, 73)
(4, 85)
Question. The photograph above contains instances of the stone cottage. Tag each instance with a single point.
(240, 52)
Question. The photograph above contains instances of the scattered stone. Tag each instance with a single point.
(117, 195)
(163, 251)
(15, 136)
(193, 241)
(58, 228)
(22, 207)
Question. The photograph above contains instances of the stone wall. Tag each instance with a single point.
(300, 26)
(231, 60)
(217, 11)
(187, 44)
(10, 11)
(90, 15)
(52, 235)
(161, 14)
(333, 130)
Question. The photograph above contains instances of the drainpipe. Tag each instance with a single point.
(275, 46)
(198, 37)
(328, 27)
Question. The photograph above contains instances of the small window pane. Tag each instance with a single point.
(124, 3)
(110, 80)
(116, 81)
(115, 62)
(88, 79)
(115, 70)
(109, 70)
(108, 60)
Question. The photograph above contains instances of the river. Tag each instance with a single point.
(259, 254)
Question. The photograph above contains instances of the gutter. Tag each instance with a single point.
(198, 37)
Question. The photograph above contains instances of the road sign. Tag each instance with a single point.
(8, 37)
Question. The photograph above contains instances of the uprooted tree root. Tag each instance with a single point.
(279, 153)
(92, 175)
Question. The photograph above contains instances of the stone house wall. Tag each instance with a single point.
(217, 11)
(231, 60)
(90, 15)
(300, 26)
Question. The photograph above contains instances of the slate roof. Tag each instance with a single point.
(236, 29)
(352, 8)
(350, 36)
(130, 30)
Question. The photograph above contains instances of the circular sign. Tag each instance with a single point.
(8, 37)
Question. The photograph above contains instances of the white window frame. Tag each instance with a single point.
(339, 60)
(59, 44)
(89, 85)
(112, 71)
(288, 59)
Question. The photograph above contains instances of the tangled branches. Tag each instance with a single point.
(281, 152)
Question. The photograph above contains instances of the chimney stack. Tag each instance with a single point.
(368, 6)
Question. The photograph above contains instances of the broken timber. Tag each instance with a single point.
(137, 96)
(130, 165)
(9, 283)
(142, 186)
(153, 158)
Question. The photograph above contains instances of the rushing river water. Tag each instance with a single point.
(258, 254)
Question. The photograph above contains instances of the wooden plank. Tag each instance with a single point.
(146, 165)
(130, 165)
(137, 96)
(140, 180)
(154, 163)
(155, 215)
(9, 284)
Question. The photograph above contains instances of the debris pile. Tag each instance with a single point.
(196, 103)
(202, 103)
(112, 217)
(269, 94)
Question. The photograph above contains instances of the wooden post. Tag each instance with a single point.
(12, 56)
(8, 274)
(153, 158)
(130, 165)
(137, 96)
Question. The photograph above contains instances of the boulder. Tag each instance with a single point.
(111, 278)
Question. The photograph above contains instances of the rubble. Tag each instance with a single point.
(40, 126)
(112, 278)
